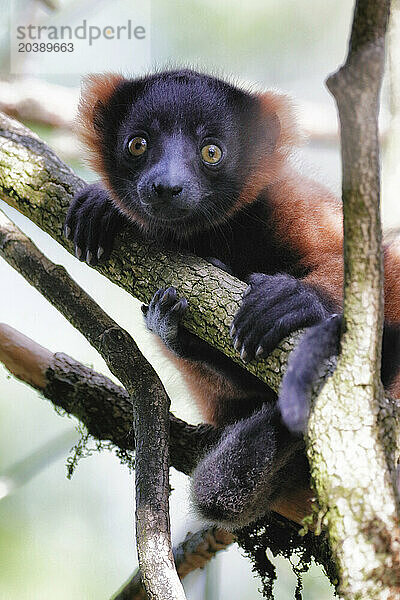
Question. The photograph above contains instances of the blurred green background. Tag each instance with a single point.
(62, 539)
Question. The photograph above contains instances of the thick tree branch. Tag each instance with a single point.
(150, 403)
(126, 362)
(352, 429)
(36, 182)
(33, 180)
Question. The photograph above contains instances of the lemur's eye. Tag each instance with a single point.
(211, 154)
(137, 146)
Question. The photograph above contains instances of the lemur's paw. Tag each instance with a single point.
(237, 480)
(163, 315)
(92, 223)
(273, 306)
(220, 502)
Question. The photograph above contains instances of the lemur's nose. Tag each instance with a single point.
(165, 192)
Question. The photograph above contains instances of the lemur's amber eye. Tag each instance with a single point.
(137, 146)
(211, 154)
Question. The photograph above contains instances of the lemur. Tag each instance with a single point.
(198, 164)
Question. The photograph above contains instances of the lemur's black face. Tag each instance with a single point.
(179, 147)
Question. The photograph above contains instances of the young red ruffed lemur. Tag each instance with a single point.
(197, 164)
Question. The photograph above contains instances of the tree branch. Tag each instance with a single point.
(150, 403)
(34, 180)
(352, 439)
(102, 406)
(193, 553)
(106, 408)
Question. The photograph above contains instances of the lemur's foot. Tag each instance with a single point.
(256, 462)
(163, 316)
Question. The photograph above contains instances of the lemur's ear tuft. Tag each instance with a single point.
(279, 111)
(280, 135)
(96, 93)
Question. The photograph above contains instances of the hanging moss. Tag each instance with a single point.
(282, 538)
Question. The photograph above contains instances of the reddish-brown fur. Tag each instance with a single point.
(307, 215)
(304, 213)
(312, 222)
(95, 89)
(309, 218)
(214, 394)
(278, 109)
(218, 400)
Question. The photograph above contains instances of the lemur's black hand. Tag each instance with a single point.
(92, 223)
(273, 306)
(163, 316)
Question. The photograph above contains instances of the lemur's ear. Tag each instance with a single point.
(279, 114)
(279, 134)
(97, 91)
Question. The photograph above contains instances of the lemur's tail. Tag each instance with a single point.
(318, 344)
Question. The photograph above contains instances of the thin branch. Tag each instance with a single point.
(33, 180)
(193, 553)
(150, 403)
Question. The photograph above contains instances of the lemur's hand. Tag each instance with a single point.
(92, 223)
(163, 316)
(273, 306)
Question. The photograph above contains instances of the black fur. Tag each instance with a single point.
(256, 462)
(318, 344)
(272, 307)
(172, 197)
(244, 245)
(390, 353)
(163, 317)
(177, 112)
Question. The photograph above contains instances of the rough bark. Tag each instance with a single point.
(349, 463)
(352, 444)
(106, 410)
(149, 402)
